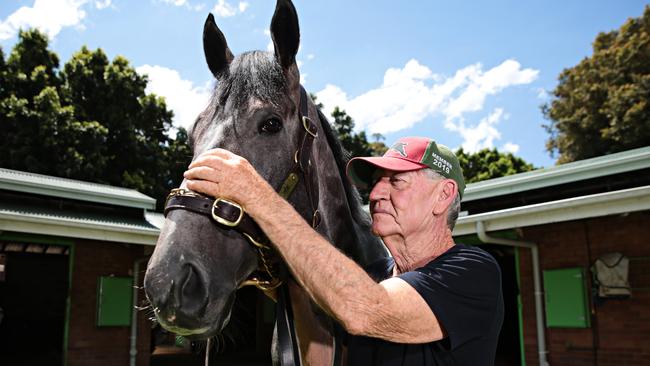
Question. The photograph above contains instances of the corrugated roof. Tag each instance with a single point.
(76, 224)
(14, 180)
(626, 161)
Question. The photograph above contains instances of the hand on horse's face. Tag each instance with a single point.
(220, 173)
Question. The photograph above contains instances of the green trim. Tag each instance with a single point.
(520, 313)
(472, 239)
(35, 238)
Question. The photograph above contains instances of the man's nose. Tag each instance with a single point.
(379, 190)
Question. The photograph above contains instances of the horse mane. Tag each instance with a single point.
(341, 157)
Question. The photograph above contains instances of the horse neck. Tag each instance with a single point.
(341, 223)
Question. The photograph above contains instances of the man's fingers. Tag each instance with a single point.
(202, 173)
(202, 186)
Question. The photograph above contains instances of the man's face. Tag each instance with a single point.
(401, 203)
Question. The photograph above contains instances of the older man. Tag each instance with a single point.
(436, 302)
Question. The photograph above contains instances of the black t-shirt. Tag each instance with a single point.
(463, 288)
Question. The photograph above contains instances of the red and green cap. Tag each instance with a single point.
(407, 154)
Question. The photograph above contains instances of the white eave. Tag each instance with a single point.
(576, 208)
(47, 224)
(611, 164)
(18, 181)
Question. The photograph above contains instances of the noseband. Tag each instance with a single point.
(231, 215)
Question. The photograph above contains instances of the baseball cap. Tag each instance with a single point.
(408, 153)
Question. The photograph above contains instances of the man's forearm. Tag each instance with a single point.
(332, 279)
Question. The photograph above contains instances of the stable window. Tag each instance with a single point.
(114, 301)
(566, 298)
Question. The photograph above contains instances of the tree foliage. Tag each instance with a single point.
(355, 143)
(602, 105)
(490, 163)
(91, 120)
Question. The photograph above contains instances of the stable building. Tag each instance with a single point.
(572, 242)
(72, 259)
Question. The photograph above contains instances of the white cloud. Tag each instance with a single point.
(50, 16)
(103, 4)
(413, 93)
(481, 84)
(269, 46)
(185, 4)
(224, 9)
(481, 135)
(543, 94)
(185, 99)
(310, 56)
(510, 147)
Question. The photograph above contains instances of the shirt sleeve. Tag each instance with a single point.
(462, 289)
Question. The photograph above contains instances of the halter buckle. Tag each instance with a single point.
(225, 221)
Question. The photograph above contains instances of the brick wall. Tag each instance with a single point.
(620, 329)
(102, 346)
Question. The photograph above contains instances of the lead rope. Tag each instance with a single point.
(207, 352)
(287, 339)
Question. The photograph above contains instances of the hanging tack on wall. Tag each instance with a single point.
(610, 273)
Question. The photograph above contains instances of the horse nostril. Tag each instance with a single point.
(157, 294)
(190, 291)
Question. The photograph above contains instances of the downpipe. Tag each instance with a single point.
(537, 283)
(133, 352)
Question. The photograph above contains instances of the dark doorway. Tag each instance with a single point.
(33, 299)
(508, 350)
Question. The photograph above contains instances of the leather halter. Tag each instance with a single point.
(231, 215)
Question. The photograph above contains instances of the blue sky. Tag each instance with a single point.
(470, 74)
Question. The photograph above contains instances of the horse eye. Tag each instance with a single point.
(271, 125)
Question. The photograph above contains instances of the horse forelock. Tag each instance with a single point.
(254, 74)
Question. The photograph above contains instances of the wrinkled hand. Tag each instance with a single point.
(220, 173)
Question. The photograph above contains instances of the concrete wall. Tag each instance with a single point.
(102, 346)
(620, 329)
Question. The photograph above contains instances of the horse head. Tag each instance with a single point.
(197, 266)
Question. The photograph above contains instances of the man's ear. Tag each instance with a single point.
(445, 193)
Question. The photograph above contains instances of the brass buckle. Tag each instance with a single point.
(223, 221)
(306, 122)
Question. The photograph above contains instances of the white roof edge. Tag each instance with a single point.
(19, 181)
(585, 169)
(75, 228)
(576, 208)
(155, 218)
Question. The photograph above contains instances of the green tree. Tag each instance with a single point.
(90, 121)
(602, 105)
(354, 143)
(490, 163)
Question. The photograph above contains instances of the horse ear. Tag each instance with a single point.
(285, 33)
(217, 53)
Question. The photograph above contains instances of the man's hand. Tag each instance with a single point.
(220, 173)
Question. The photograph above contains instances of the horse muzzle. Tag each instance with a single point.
(181, 301)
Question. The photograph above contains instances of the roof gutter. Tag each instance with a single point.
(539, 314)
